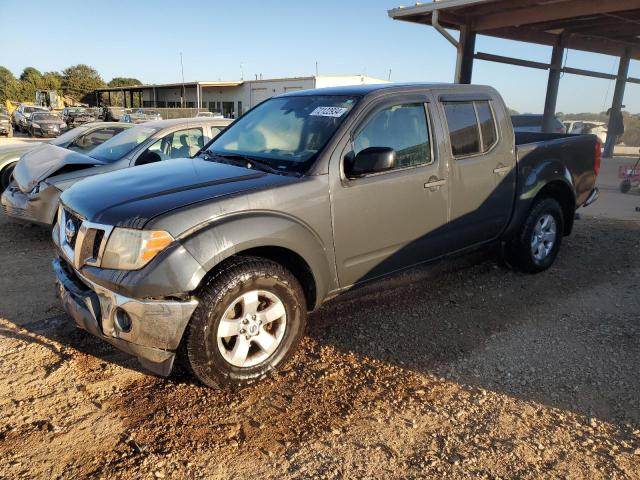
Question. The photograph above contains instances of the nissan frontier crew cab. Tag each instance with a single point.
(217, 259)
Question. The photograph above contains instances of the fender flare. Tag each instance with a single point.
(547, 174)
(229, 235)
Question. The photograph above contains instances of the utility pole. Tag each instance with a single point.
(182, 95)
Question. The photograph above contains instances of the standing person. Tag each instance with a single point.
(616, 130)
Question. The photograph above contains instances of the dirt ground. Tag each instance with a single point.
(467, 369)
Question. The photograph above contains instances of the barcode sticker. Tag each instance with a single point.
(328, 112)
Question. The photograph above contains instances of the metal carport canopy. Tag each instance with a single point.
(610, 27)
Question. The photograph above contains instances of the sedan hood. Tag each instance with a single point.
(132, 197)
(40, 163)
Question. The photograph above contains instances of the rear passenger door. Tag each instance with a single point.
(481, 163)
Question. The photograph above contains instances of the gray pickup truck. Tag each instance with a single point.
(216, 260)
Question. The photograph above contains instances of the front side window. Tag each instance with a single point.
(463, 128)
(286, 132)
(401, 127)
(180, 144)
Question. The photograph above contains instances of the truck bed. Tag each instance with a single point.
(575, 154)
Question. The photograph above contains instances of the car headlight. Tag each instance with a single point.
(37, 189)
(35, 125)
(129, 249)
(63, 125)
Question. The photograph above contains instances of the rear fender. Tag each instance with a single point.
(549, 176)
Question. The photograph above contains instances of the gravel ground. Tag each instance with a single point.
(465, 369)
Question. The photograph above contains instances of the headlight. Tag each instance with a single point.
(63, 125)
(129, 249)
(37, 189)
(35, 125)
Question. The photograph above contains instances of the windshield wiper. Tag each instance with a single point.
(250, 162)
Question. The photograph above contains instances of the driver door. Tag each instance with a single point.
(390, 220)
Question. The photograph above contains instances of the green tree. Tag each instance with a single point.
(7, 81)
(116, 97)
(80, 81)
(123, 82)
(51, 81)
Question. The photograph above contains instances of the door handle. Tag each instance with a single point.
(501, 170)
(435, 184)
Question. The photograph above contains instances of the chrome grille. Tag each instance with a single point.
(81, 241)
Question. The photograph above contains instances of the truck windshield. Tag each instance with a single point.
(286, 132)
(118, 146)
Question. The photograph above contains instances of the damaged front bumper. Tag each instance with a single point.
(150, 330)
(38, 208)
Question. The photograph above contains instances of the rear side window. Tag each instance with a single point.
(487, 125)
(463, 128)
(472, 127)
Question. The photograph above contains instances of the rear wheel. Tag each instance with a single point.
(537, 245)
(6, 175)
(250, 319)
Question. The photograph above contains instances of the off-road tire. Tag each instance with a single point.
(5, 176)
(625, 186)
(520, 253)
(199, 352)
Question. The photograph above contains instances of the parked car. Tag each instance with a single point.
(113, 114)
(150, 114)
(582, 127)
(6, 128)
(43, 173)
(208, 115)
(75, 116)
(305, 196)
(45, 124)
(141, 116)
(134, 118)
(21, 115)
(533, 123)
(80, 139)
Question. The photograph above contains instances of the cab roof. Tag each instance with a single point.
(362, 90)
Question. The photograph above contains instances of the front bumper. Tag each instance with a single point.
(593, 196)
(47, 132)
(154, 329)
(40, 209)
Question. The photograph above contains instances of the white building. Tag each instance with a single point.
(230, 98)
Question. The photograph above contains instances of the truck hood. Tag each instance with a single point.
(131, 197)
(45, 161)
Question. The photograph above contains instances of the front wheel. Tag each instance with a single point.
(250, 319)
(6, 175)
(536, 247)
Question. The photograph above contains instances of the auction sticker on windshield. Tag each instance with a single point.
(328, 112)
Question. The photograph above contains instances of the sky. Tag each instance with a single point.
(227, 40)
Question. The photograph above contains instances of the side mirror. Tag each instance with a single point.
(371, 160)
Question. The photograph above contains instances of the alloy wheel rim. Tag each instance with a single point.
(252, 328)
(544, 237)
